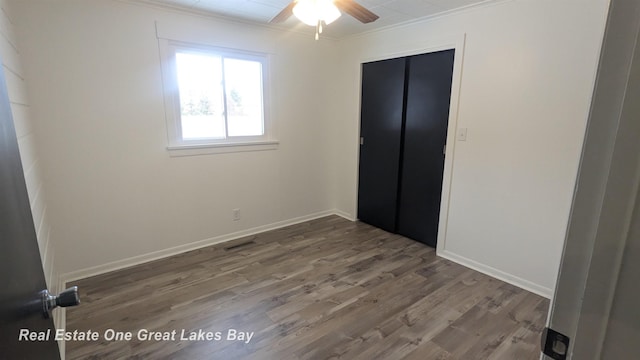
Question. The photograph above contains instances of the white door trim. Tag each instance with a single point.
(457, 43)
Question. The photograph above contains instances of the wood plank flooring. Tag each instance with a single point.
(324, 289)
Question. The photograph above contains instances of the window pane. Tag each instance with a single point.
(201, 98)
(243, 82)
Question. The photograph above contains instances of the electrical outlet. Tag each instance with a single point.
(236, 214)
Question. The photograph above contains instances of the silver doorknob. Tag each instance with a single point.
(68, 297)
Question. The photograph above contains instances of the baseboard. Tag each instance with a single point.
(498, 274)
(160, 254)
(343, 214)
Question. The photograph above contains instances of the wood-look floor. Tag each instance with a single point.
(324, 289)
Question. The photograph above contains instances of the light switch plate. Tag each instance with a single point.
(462, 134)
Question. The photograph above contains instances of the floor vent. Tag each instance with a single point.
(247, 243)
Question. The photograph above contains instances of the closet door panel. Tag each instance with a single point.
(380, 132)
(427, 116)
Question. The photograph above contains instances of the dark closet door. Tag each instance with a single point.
(427, 116)
(380, 132)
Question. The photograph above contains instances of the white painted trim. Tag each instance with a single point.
(498, 274)
(446, 42)
(49, 265)
(345, 215)
(55, 285)
(39, 229)
(428, 18)
(63, 279)
(60, 317)
(304, 31)
(207, 15)
(160, 254)
(605, 201)
(222, 148)
(172, 41)
(447, 173)
(62, 321)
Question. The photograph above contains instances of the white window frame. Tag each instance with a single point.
(177, 146)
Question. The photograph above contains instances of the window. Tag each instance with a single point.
(215, 98)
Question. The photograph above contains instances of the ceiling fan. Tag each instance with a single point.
(316, 12)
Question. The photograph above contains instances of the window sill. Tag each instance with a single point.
(223, 148)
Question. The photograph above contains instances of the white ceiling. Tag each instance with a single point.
(391, 12)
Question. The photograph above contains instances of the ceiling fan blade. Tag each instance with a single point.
(284, 14)
(356, 10)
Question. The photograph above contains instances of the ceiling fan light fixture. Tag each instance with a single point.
(311, 12)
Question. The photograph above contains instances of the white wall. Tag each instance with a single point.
(30, 152)
(115, 193)
(94, 70)
(528, 75)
